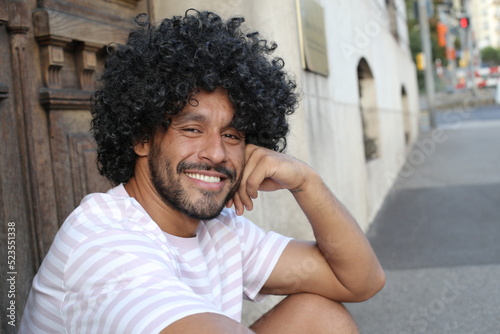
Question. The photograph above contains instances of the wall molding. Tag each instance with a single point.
(65, 99)
(4, 91)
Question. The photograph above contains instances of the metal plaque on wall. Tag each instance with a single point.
(312, 36)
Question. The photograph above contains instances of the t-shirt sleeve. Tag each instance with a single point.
(261, 251)
(118, 282)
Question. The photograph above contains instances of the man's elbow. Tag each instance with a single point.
(369, 289)
(376, 284)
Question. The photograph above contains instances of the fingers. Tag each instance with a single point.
(266, 170)
(256, 173)
(239, 205)
(249, 185)
(248, 189)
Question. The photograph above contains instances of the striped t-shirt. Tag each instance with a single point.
(111, 269)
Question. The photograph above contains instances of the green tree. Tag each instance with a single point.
(415, 39)
(490, 56)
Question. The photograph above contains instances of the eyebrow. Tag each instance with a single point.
(191, 116)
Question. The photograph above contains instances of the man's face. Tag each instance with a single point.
(196, 165)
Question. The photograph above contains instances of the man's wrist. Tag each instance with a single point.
(310, 181)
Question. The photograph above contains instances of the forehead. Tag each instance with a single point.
(205, 106)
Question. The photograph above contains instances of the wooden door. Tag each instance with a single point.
(50, 54)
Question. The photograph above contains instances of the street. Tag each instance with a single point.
(456, 115)
(437, 234)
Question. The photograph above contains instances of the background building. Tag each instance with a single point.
(353, 125)
(485, 19)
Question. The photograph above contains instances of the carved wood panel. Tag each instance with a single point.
(73, 156)
(50, 54)
(83, 157)
(73, 37)
(18, 249)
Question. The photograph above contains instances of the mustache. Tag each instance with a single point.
(183, 165)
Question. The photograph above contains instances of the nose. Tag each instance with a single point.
(213, 149)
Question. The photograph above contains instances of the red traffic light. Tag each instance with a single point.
(464, 22)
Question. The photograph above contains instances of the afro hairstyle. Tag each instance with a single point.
(159, 67)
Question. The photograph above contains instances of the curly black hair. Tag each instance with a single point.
(159, 67)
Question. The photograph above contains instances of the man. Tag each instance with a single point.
(189, 122)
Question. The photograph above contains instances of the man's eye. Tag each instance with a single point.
(191, 130)
(230, 136)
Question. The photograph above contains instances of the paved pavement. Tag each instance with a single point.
(438, 233)
(444, 100)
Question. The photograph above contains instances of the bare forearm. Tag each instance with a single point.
(340, 239)
(344, 266)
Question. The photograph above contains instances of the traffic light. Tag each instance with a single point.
(464, 22)
(441, 30)
(420, 61)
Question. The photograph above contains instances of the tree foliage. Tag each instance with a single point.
(490, 56)
(438, 52)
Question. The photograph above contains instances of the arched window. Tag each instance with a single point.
(406, 115)
(392, 12)
(369, 110)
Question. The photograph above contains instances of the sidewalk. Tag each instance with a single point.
(438, 235)
(444, 100)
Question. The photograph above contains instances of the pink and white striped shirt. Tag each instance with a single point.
(111, 269)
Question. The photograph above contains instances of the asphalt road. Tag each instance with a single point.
(438, 233)
(467, 113)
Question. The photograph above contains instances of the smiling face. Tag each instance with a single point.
(196, 165)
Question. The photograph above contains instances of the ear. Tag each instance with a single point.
(142, 148)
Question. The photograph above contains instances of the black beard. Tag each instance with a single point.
(173, 194)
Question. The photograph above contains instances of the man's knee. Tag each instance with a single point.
(308, 313)
(319, 308)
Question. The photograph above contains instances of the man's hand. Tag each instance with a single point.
(343, 266)
(267, 170)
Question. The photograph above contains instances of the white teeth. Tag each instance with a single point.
(205, 178)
